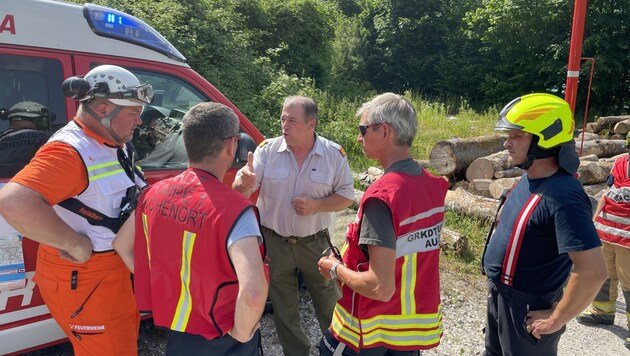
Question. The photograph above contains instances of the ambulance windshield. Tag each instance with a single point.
(119, 25)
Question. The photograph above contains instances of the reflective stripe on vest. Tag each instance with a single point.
(516, 239)
(395, 330)
(145, 229)
(185, 303)
(346, 326)
(408, 284)
(613, 230)
(103, 170)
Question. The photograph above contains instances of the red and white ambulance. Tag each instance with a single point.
(43, 42)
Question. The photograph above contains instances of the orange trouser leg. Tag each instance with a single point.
(93, 302)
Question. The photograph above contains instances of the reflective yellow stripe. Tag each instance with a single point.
(184, 305)
(104, 170)
(409, 321)
(343, 325)
(408, 284)
(606, 307)
(145, 228)
(403, 337)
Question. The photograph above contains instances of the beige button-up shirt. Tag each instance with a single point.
(324, 172)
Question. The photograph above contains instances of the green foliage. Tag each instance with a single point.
(475, 231)
(521, 57)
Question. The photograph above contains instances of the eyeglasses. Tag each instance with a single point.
(237, 136)
(363, 128)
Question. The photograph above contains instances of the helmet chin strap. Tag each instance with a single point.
(534, 152)
(107, 121)
(528, 162)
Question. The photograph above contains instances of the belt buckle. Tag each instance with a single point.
(291, 240)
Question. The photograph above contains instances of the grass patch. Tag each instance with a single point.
(475, 231)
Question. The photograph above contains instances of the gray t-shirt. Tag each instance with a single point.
(377, 227)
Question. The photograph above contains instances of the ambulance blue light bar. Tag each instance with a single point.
(115, 24)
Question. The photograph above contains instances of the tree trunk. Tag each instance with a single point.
(602, 148)
(512, 172)
(587, 136)
(484, 167)
(611, 120)
(453, 156)
(594, 172)
(589, 158)
(452, 240)
(622, 127)
(498, 186)
(593, 127)
(594, 189)
(480, 187)
(471, 205)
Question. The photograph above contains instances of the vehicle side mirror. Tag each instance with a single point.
(245, 144)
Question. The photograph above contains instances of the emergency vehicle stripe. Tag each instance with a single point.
(612, 230)
(184, 305)
(145, 228)
(615, 218)
(346, 326)
(514, 245)
(104, 170)
(408, 284)
(422, 215)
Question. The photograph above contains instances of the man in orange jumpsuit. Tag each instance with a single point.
(70, 198)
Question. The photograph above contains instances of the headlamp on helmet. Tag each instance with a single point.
(114, 83)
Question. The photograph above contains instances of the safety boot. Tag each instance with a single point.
(588, 318)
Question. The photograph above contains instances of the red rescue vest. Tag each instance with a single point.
(183, 273)
(613, 222)
(412, 318)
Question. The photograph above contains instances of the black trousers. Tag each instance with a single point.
(506, 332)
(185, 344)
(328, 344)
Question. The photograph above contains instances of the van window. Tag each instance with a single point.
(31, 108)
(158, 141)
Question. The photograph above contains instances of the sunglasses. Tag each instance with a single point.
(363, 128)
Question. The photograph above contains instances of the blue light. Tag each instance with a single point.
(112, 23)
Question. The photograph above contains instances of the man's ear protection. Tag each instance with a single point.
(78, 88)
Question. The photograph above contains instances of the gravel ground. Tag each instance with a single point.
(463, 299)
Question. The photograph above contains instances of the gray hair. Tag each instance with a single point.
(395, 110)
(205, 128)
(308, 104)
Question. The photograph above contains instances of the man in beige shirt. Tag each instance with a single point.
(303, 179)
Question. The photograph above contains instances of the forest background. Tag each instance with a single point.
(453, 58)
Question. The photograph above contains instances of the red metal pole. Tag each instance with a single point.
(588, 98)
(575, 52)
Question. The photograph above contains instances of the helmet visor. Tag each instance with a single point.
(504, 125)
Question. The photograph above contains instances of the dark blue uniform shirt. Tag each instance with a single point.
(560, 223)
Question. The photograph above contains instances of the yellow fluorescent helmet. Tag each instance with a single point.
(544, 115)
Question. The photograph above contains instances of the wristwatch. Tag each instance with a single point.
(333, 270)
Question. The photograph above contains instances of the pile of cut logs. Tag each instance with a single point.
(478, 169)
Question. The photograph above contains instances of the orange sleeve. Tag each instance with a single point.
(57, 172)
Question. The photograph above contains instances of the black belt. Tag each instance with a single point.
(299, 239)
